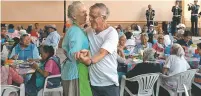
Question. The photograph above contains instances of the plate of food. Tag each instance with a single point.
(19, 61)
(24, 66)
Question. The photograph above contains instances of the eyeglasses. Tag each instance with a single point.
(92, 18)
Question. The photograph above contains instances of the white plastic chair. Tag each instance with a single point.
(45, 90)
(198, 85)
(186, 91)
(7, 89)
(185, 78)
(146, 83)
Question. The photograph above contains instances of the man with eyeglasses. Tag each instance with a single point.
(103, 40)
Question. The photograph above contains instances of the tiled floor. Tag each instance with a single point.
(60, 54)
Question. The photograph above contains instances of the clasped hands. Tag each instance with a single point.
(83, 56)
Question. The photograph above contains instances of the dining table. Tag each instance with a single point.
(23, 68)
(131, 63)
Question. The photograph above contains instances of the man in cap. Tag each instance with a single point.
(194, 8)
(53, 38)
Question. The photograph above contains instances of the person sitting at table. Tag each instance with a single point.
(147, 66)
(159, 46)
(151, 32)
(25, 49)
(128, 32)
(144, 43)
(49, 65)
(120, 32)
(130, 46)
(175, 63)
(180, 31)
(12, 33)
(136, 30)
(186, 41)
(199, 52)
(197, 79)
(9, 75)
(121, 46)
(4, 36)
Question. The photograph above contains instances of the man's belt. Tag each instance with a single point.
(176, 15)
(194, 14)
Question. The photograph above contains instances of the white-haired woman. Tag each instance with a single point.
(75, 74)
(148, 66)
(176, 63)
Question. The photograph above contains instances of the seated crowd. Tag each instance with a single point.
(149, 44)
(18, 45)
(156, 45)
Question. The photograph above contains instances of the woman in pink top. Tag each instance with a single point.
(50, 65)
(49, 61)
(9, 75)
(159, 46)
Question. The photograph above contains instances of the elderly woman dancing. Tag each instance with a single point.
(75, 74)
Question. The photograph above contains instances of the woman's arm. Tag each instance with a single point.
(43, 72)
(15, 76)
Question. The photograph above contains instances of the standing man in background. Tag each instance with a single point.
(194, 8)
(53, 38)
(150, 13)
(176, 19)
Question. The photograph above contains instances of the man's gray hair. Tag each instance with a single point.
(72, 8)
(148, 54)
(104, 9)
(177, 50)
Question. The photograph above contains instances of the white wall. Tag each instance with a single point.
(53, 10)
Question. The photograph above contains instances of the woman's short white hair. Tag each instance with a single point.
(148, 54)
(72, 8)
(178, 50)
